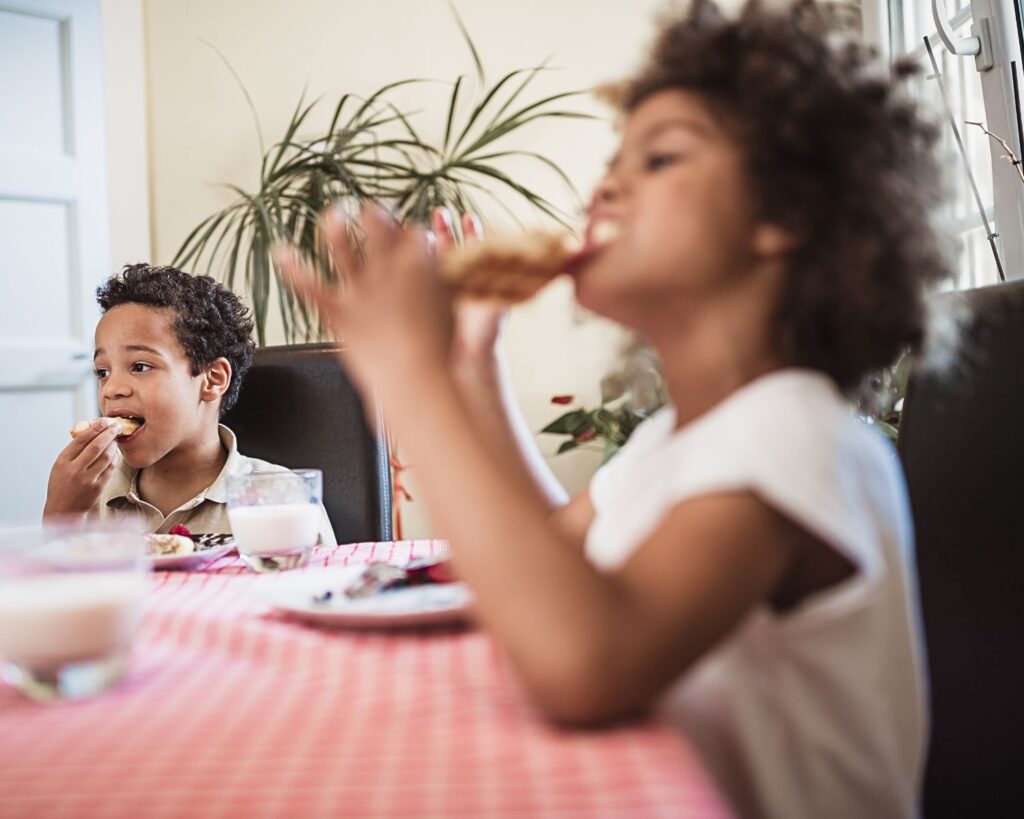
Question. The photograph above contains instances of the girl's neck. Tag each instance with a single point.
(711, 354)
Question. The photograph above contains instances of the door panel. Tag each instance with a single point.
(53, 235)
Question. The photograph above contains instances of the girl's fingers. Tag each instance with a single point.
(334, 225)
(441, 222)
(298, 276)
(472, 228)
(411, 254)
(380, 230)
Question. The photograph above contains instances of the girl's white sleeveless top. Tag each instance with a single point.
(821, 711)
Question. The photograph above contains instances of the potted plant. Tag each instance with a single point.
(633, 391)
(372, 150)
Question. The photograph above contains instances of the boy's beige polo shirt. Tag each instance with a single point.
(207, 512)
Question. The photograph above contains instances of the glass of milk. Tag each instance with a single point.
(275, 517)
(70, 598)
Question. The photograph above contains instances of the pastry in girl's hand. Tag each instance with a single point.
(508, 268)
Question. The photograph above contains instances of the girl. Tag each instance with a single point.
(744, 566)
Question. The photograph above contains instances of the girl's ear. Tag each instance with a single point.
(215, 380)
(772, 240)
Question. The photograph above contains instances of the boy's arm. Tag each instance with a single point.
(81, 470)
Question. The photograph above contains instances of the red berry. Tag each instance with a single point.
(562, 399)
(179, 530)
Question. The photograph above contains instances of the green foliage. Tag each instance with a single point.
(371, 151)
(636, 389)
(881, 402)
(609, 426)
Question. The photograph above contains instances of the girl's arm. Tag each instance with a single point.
(485, 386)
(589, 646)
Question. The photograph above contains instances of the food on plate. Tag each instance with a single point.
(509, 268)
(127, 426)
(166, 545)
(381, 576)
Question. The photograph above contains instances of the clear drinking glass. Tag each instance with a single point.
(275, 517)
(70, 598)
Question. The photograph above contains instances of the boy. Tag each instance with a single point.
(171, 352)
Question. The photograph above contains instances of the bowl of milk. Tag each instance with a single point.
(71, 594)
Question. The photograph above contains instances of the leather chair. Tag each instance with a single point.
(298, 408)
(962, 447)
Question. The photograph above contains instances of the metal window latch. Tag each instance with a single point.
(978, 46)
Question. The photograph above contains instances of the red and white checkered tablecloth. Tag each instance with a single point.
(231, 711)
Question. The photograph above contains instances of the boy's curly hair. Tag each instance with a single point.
(210, 320)
(834, 153)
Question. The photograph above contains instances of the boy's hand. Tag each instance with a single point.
(81, 470)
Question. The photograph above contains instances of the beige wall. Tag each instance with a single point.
(125, 118)
(202, 134)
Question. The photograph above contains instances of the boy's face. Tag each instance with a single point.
(143, 372)
(676, 201)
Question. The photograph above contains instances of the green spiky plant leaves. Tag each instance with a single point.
(371, 150)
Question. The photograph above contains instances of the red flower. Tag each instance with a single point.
(562, 399)
(178, 529)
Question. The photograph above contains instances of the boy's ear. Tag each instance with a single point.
(774, 240)
(215, 380)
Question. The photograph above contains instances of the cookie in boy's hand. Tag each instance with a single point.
(509, 268)
(126, 426)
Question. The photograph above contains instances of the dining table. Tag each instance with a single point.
(230, 709)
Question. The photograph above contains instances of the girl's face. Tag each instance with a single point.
(672, 225)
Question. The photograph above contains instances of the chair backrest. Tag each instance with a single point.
(298, 408)
(962, 447)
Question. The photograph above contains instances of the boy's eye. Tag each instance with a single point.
(139, 367)
(101, 373)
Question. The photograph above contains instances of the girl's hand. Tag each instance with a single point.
(389, 306)
(477, 323)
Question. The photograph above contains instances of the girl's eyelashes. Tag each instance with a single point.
(656, 161)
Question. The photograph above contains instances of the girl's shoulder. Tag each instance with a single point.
(789, 437)
(774, 419)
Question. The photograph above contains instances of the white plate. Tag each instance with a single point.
(192, 560)
(293, 594)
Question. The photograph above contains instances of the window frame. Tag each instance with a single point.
(882, 26)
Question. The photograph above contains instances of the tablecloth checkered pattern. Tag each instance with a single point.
(231, 711)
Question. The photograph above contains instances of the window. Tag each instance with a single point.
(989, 197)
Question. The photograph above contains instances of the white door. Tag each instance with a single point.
(54, 244)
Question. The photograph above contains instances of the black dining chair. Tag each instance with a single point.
(298, 408)
(962, 447)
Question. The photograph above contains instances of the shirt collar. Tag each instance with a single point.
(236, 464)
(124, 483)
